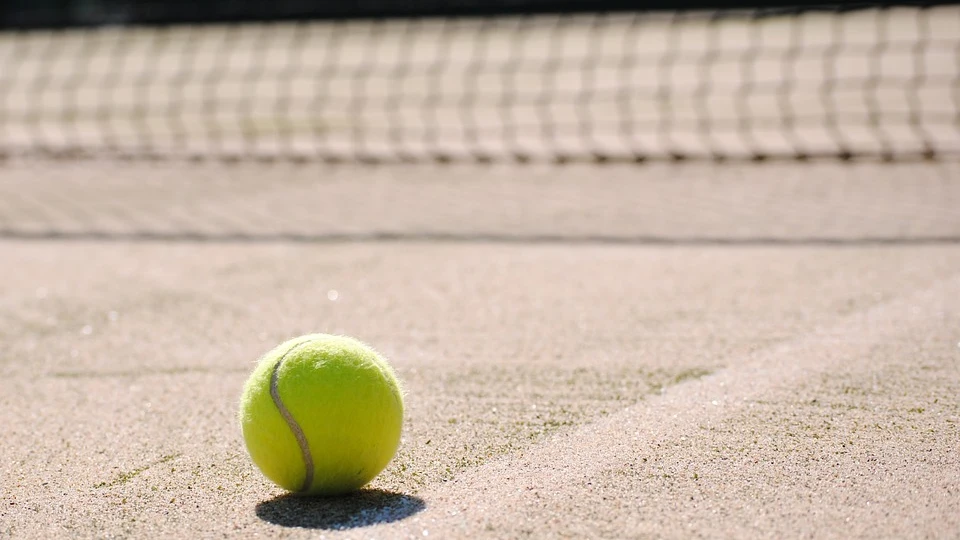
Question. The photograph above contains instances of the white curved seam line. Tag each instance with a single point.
(291, 422)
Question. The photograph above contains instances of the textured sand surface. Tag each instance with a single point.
(762, 351)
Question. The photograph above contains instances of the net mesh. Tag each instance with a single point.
(883, 82)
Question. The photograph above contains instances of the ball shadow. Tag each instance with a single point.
(361, 509)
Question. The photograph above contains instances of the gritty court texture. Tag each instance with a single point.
(619, 350)
(756, 350)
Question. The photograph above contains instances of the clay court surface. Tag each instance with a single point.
(678, 351)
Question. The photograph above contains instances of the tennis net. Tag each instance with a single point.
(490, 82)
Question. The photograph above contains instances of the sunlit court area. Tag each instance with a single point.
(479, 269)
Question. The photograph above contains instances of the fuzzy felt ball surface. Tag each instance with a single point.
(322, 414)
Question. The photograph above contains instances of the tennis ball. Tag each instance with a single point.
(321, 414)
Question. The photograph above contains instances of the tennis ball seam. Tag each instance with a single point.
(291, 421)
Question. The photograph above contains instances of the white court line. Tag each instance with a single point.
(540, 478)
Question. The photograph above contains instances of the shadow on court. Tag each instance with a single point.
(385, 237)
(362, 509)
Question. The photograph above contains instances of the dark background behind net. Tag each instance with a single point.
(479, 81)
(64, 13)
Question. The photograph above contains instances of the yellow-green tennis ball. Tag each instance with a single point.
(321, 414)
